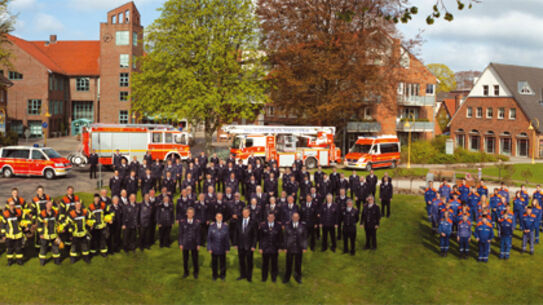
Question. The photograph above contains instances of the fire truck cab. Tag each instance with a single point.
(374, 152)
(312, 144)
(132, 140)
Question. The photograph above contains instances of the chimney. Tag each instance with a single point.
(457, 101)
(52, 39)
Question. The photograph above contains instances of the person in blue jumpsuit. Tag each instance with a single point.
(538, 194)
(524, 194)
(445, 230)
(445, 190)
(429, 195)
(464, 236)
(494, 200)
(436, 205)
(484, 235)
(528, 228)
(502, 208)
(504, 192)
(455, 205)
(507, 226)
(464, 191)
(482, 189)
(518, 208)
(473, 200)
(536, 210)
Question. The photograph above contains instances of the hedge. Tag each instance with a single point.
(10, 138)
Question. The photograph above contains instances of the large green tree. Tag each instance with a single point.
(203, 64)
(445, 75)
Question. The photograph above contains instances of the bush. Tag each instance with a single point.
(10, 138)
(433, 152)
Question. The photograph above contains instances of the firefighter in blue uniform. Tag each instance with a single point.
(464, 191)
(445, 190)
(518, 208)
(482, 189)
(445, 230)
(464, 236)
(506, 225)
(504, 192)
(528, 228)
(484, 235)
(429, 195)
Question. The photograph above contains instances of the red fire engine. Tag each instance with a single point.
(162, 141)
(312, 144)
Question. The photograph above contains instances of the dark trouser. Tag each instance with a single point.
(79, 245)
(129, 239)
(311, 232)
(66, 238)
(45, 244)
(232, 230)
(164, 235)
(153, 228)
(14, 249)
(114, 242)
(145, 237)
(218, 260)
(358, 203)
(93, 171)
(98, 241)
(385, 204)
(325, 232)
(371, 237)
(266, 258)
(349, 236)
(339, 231)
(245, 263)
(194, 255)
(203, 233)
(295, 258)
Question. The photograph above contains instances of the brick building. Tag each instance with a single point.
(61, 81)
(497, 114)
(415, 98)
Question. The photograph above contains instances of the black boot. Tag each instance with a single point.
(20, 261)
(42, 262)
(57, 261)
(73, 260)
(10, 261)
(86, 258)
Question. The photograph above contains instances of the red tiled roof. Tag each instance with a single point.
(450, 104)
(65, 57)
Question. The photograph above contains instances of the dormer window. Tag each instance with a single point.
(524, 88)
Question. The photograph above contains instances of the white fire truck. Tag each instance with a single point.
(312, 144)
(162, 141)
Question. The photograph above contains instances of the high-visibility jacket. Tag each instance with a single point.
(78, 222)
(68, 203)
(48, 224)
(98, 213)
(11, 223)
(38, 205)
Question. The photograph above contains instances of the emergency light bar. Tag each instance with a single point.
(268, 129)
(150, 126)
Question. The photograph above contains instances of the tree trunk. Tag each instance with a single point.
(208, 137)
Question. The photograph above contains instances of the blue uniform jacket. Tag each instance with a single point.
(494, 201)
(484, 232)
(504, 193)
(507, 224)
(529, 221)
(518, 205)
(473, 200)
(464, 191)
(218, 240)
(482, 190)
(445, 226)
(445, 192)
(429, 194)
(464, 228)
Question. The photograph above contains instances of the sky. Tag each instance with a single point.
(504, 31)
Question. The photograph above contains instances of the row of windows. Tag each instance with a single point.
(56, 107)
(490, 113)
(486, 90)
(122, 38)
(408, 89)
(123, 117)
(505, 144)
(119, 18)
(34, 107)
(82, 84)
(56, 83)
(12, 75)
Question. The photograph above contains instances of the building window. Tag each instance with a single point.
(122, 38)
(505, 146)
(127, 16)
(367, 114)
(430, 89)
(15, 75)
(522, 147)
(496, 90)
(135, 39)
(460, 138)
(124, 59)
(123, 96)
(113, 19)
(479, 113)
(475, 144)
(469, 112)
(490, 145)
(513, 114)
(123, 82)
(82, 84)
(400, 88)
(489, 112)
(271, 111)
(83, 110)
(407, 113)
(412, 89)
(524, 88)
(123, 117)
(34, 107)
(501, 113)
(485, 90)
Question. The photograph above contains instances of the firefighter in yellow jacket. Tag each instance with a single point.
(101, 216)
(37, 206)
(78, 220)
(48, 225)
(12, 224)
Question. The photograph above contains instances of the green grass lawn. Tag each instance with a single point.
(406, 268)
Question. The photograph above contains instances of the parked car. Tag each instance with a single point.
(32, 161)
(374, 152)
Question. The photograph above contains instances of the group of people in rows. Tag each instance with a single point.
(464, 212)
(210, 212)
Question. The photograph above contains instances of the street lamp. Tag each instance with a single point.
(532, 128)
(410, 126)
(46, 126)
